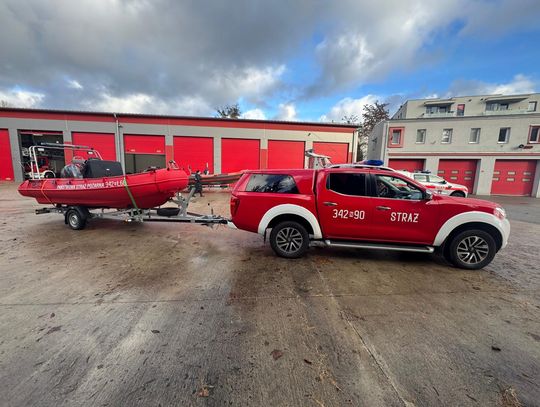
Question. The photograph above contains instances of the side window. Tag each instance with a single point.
(396, 188)
(347, 183)
(276, 183)
(421, 177)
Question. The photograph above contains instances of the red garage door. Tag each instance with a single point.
(338, 152)
(406, 165)
(6, 163)
(239, 154)
(459, 171)
(513, 177)
(196, 153)
(286, 154)
(139, 144)
(102, 142)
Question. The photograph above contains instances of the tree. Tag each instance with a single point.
(4, 103)
(229, 111)
(351, 119)
(373, 114)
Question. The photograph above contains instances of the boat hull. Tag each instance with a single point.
(149, 189)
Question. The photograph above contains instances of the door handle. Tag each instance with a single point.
(329, 203)
(383, 208)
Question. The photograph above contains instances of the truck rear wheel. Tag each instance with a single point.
(289, 239)
(472, 249)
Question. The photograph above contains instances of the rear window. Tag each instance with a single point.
(275, 183)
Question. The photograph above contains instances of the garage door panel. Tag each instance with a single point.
(6, 162)
(144, 144)
(195, 153)
(102, 142)
(338, 152)
(513, 177)
(459, 172)
(239, 154)
(286, 154)
(410, 165)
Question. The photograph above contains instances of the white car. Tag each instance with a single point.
(438, 184)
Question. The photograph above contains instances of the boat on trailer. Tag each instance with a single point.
(97, 188)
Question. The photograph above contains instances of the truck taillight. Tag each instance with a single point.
(235, 203)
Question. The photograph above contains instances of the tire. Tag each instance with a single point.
(289, 239)
(472, 249)
(168, 211)
(75, 219)
(458, 194)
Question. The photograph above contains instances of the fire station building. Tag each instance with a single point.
(139, 141)
(490, 143)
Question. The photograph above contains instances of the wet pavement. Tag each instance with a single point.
(184, 315)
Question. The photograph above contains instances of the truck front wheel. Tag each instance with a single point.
(289, 239)
(472, 249)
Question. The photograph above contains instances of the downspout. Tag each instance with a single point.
(120, 144)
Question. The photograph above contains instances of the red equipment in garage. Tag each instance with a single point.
(513, 177)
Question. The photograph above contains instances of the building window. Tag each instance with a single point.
(460, 110)
(446, 136)
(420, 136)
(532, 107)
(496, 106)
(395, 137)
(504, 135)
(474, 137)
(534, 134)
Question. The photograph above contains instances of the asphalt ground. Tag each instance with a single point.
(184, 315)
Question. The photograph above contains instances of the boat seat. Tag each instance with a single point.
(102, 168)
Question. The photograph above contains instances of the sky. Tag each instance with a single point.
(294, 60)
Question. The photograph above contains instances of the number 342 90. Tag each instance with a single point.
(347, 214)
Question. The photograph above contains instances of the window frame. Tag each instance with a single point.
(402, 136)
(533, 103)
(478, 133)
(375, 193)
(529, 139)
(424, 137)
(507, 138)
(450, 136)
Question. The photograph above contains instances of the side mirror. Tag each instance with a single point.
(428, 195)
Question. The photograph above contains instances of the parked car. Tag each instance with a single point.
(366, 207)
(438, 184)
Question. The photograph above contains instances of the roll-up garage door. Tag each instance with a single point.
(6, 162)
(459, 171)
(406, 164)
(102, 142)
(513, 177)
(195, 153)
(239, 154)
(143, 144)
(286, 154)
(338, 152)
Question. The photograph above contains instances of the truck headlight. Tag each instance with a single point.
(499, 212)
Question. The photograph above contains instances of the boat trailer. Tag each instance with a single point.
(76, 217)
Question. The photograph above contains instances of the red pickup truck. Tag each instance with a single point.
(365, 206)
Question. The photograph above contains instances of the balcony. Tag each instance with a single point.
(438, 114)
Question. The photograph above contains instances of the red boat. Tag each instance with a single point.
(102, 184)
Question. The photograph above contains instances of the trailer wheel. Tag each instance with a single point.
(289, 239)
(75, 219)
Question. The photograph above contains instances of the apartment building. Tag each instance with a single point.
(490, 143)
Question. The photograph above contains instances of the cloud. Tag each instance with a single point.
(519, 84)
(73, 84)
(287, 112)
(256, 114)
(21, 98)
(348, 107)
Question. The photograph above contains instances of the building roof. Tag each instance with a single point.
(4, 112)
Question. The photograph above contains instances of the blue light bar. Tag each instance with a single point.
(376, 163)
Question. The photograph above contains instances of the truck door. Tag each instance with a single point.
(343, 204)
(401, 212)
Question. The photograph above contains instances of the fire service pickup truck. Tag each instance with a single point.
(365, 206)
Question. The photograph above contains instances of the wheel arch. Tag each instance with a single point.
(290, 212)
(486, 227)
